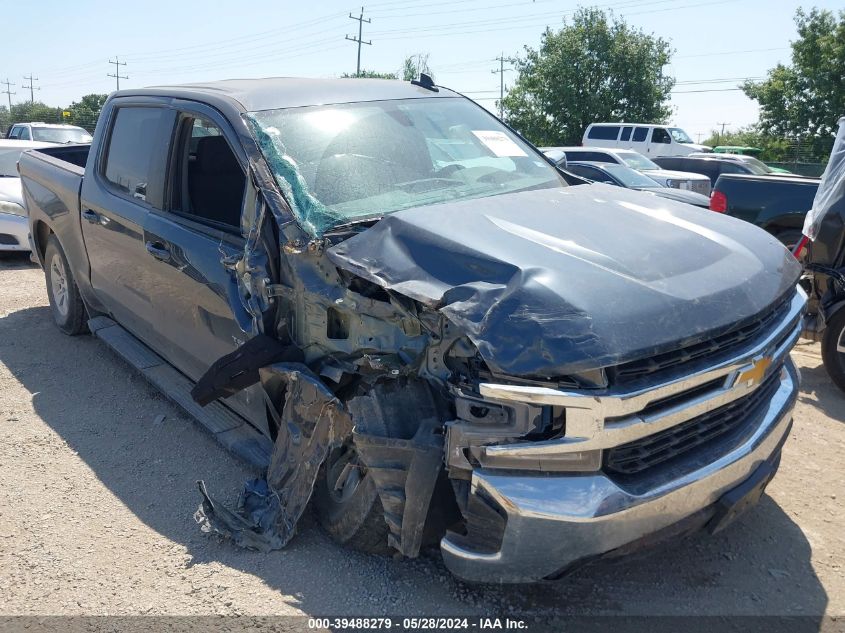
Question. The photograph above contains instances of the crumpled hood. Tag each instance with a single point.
(556, 281)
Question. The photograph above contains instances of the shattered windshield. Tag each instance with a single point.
(344, 163)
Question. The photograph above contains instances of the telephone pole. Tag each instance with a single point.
(31, 87)
(117, 76)
(723, 130)
(6, 92)
(358, 39)
(501, 59)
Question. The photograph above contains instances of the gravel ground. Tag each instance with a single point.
(97, 501)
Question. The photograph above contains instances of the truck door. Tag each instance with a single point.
(197, 308)
(120, 189)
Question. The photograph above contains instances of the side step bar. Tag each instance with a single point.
(228, 428)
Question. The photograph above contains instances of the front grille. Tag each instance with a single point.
(635, 457)
(701, 186)
(704, 349)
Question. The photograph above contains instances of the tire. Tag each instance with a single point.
(833, 349)
(66, 304)
(352, 515)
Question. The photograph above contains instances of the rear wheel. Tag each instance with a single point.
(833, 348)
(65, 301)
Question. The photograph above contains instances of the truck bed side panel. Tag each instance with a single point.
(51, 188)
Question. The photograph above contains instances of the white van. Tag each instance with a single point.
(645, 138)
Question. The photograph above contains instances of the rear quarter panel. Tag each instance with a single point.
(51, 188)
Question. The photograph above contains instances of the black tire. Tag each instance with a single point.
(353, 516)
(833, 339)
(66, 304)
(789, 237)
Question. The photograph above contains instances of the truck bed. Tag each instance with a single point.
(51, 182)
(775, 203)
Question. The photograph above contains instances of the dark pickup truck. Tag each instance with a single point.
(402, 313)
(777, 204)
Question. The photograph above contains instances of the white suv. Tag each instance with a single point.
(49, 133)
(676, 179)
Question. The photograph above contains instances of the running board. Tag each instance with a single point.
(227, 427)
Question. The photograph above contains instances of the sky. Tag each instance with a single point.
(68, 46)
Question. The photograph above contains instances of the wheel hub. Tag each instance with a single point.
(58, 285)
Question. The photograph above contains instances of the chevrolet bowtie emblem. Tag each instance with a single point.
(754, 375)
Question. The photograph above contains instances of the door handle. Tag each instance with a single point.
(92, 216)
(158, 250)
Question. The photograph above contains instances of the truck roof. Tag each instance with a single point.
(271, 93)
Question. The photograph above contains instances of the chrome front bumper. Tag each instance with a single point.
(554, 520)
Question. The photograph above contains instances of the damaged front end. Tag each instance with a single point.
(521, 388)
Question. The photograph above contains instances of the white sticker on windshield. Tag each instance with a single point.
(499, 143)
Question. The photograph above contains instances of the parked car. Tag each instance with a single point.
(624, 176)
(404, 303)
(668, 178)
(49, 133)
(751, 164)
(777, 204)
(14, 226)
(645, 138)
(712, 165)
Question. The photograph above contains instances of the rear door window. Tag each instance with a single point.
(626, 133)
(136, 158)
(640, 134)
(604, 132)
(593, 173)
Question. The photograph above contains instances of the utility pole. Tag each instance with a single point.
(31, 87)
(6, 92)
(358, 39)
(723, 130)
(698, 134)
(117, 64)
(501, 59)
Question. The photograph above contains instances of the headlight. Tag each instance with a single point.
(671, 183)
(13, 208)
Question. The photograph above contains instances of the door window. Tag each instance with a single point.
(659, 135)
(604, 132)
(594, 174)
(209, 180)
(640, 134)
(626, 133)
(135, 157)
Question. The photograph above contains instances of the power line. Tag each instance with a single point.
(31, 87)
(361, 21)
(117, 76)
(6, 91)
(501, 71)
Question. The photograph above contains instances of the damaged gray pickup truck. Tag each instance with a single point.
(403, 314)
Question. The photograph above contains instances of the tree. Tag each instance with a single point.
(370, 74)
(86, 111)
(595, 69)
(774, 149)
(807, 97)
(414, 65)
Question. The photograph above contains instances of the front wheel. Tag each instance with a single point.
(348, 504)
(833, 348)
(65, 301)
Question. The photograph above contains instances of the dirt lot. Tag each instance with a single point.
(97, 501)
